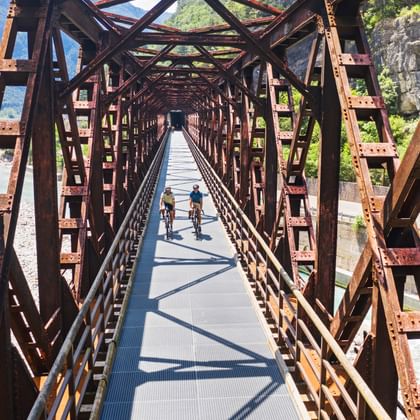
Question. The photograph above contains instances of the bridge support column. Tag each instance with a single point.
(271, 158)
(245, 150)
(6, 377)
(384, 379)
(328, 185)
(46, 207)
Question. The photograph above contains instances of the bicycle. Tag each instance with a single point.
(168, 226)
(197, 227)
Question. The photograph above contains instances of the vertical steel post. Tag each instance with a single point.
(45, 198)
(328, 185)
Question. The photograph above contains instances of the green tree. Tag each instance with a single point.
(389, 90)
(376, 10)
(197, 13)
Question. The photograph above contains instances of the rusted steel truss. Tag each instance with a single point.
(106, 138)
(237, 84)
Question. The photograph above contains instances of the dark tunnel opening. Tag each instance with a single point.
(177, 119)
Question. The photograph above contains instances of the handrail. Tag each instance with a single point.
(327, 339)
(66, 360)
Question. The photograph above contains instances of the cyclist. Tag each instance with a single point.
(196, 201)
(167, 201)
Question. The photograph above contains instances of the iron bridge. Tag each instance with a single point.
(247, 118)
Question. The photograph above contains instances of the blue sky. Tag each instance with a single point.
(148, 4)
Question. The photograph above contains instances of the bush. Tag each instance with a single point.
(346, 164)
(409, 10)
(389, 91)
(311, 167)
(358, 223)
(376, 10)
(403, 130)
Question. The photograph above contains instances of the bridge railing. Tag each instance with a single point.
(64, 390)
(334, 384)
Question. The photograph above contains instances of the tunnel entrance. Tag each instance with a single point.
(177, 119)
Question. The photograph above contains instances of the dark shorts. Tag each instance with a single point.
(168, 206)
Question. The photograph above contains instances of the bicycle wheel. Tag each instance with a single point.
(196, 230)
(167, 225)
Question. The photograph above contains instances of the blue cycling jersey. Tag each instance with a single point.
(196, 196)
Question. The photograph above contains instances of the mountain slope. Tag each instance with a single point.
(14, 95)
(197, 13)
(128, 9)
(70, 46)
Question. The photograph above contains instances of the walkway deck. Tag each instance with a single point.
(192, 346)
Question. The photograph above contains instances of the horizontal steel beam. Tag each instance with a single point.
(187, 39)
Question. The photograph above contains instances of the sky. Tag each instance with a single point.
(148, 4)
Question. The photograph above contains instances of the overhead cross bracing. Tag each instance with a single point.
(235, 83)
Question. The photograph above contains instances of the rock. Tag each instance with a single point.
(396, 45)
(6, 155)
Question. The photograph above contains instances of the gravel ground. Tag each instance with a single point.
(25, 246)
(24, 243)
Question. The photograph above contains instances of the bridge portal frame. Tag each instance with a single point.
(110, 119)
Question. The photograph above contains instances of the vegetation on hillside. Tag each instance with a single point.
(196, 13)
(402, 129)
(376, 10)
(12, 103)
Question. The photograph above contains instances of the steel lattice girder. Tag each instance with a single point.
(114, 107)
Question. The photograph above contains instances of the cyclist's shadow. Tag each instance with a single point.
(176, 236)
(205, 237)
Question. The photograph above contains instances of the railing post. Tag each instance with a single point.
(247, 249)
(361, 407)
(108, 273)
(323, 377)
(298, 335)
(280, 302)
(240, 244)
(89, 323)
(71, 385)
(102, 308)
(267, 311)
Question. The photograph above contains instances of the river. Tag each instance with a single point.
(28, 193)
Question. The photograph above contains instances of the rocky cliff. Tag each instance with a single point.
(395, 44)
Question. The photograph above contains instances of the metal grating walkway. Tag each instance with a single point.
(192, 346)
